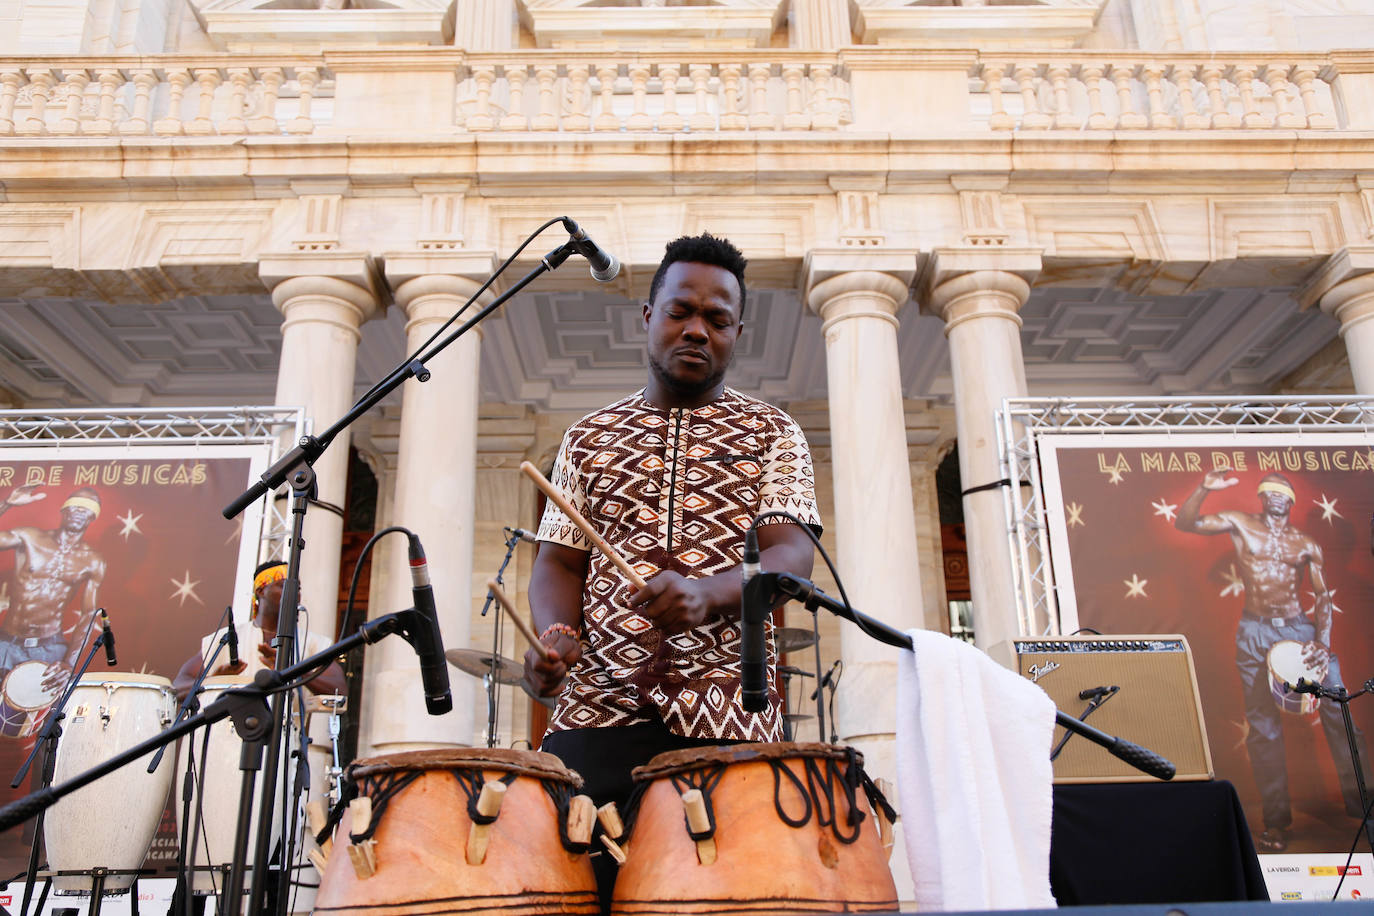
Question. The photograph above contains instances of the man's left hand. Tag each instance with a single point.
(268, 653)
(673, 602)
(1318, 658)
(55, 676)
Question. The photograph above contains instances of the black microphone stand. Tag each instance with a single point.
(48, 740)
(184, 885)
(247, 706)
(1341, 696)
(493, 687)
(297, 465)
(777, 585)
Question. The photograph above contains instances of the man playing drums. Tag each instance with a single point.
(671, 477)
(1272, 555)
(50, 568)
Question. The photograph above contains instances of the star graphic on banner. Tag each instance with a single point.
(1328, 509)
(1135, 586)
(1243, 726)
(1075, 511)
(130, 524)
(1332, 595)
(238, 530)
(1114, 475)
(1164, 509)
(186, 589)
(1234, 584)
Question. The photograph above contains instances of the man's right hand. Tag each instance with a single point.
(547, 664)
(224, 669)
(1217, 479)
(22, 496)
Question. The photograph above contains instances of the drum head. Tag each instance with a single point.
(1285, 661)
(692, 758)
(23, 687)
(525, 763)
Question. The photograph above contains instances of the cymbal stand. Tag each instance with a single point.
(489, 679)
(47, 741)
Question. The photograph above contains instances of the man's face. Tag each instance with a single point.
(269, 605)
(693, 326)
(1274, 504)
(75, 519)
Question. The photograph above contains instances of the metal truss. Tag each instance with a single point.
(1021, 422)
(274, 427)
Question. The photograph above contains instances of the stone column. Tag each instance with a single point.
(324, 298)
(1344, 287)
(435, 493)
(857, 294)
(979, 293)
(821, 25)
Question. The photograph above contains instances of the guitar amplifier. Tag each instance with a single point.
(1148, 692)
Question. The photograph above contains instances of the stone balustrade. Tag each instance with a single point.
(1109, 91)
(698, 91)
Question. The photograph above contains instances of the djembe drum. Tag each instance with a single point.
(461, 830)
(754, 828)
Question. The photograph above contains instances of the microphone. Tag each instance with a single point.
(107, 637)
(231, 636)
(522, 534)
(753, 654)
(826, 681)
(1092, 693)
(428, 642)
(604, 265)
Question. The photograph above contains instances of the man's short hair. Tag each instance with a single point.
(702, 249)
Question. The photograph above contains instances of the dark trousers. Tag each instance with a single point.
(1254, 638)
(604, 758)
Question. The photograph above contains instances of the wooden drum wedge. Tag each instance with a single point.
(777, 834)
(481, 831)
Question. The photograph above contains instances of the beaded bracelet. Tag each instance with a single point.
(558, 628)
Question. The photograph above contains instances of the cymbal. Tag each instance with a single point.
(790, 639)
(478, 663)
(797, 716)
(550, 702)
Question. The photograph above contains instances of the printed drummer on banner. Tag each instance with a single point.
(54, 569)
(1277, 640)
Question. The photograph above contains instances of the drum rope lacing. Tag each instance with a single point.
(817, 794)
(560, 793)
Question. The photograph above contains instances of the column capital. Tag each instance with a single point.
(456, 272)
(962, 283)
(1343, 277)
(350, 276)
(831, 273)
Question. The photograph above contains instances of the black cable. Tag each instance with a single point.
(834, 689)
(405, 363)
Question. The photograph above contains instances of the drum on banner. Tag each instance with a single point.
(477, 831)
(111, 822)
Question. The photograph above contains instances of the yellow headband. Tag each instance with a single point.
(1274, 486)
(82, 502)
(269, 575)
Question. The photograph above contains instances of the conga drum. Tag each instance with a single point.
(416, 855)
(215, 811)
(787, 827)
(1286, 666)
(23, 699)
(111, 822)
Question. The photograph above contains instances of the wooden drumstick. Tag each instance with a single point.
(520, 622)
(561, 502)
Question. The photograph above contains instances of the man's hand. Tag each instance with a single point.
(22, 496)
(224, 668)
(55, 676)
(673, 602)
(1317, 657)
(1217, 480)
(547, 664)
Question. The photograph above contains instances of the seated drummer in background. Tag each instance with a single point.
(255, 641)
(671, 476)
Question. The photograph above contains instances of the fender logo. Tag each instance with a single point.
(1039, 671)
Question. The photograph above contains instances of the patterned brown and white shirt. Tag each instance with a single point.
(672, 489)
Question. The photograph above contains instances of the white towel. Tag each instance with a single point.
(974, 778)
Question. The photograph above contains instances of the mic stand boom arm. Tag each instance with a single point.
(802, 590)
